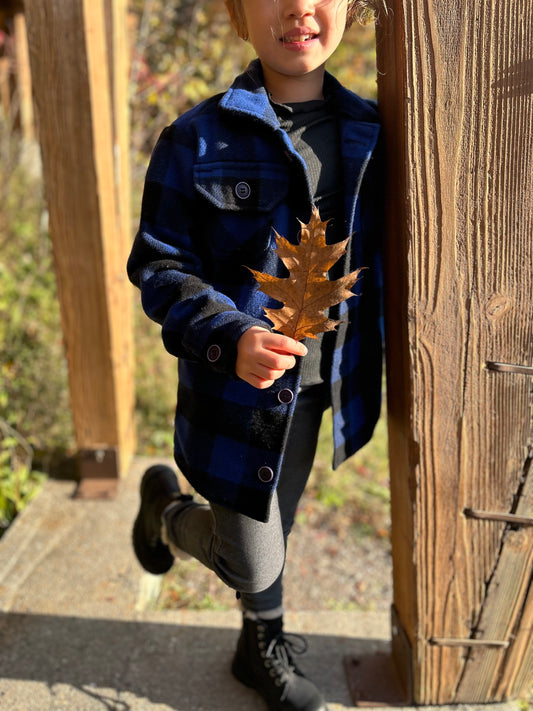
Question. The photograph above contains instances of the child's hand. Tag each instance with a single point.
(263, 356)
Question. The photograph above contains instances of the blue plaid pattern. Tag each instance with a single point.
(219, 182)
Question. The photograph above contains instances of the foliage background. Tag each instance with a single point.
(182, 52)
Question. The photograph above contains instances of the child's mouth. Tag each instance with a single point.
(298, 37)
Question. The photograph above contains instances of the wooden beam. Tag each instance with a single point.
(81, 132)
(22, 57)
(5, 87)
(455, 87)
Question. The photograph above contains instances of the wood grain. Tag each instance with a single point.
(69, 61)
(23, 76)
(456, 86)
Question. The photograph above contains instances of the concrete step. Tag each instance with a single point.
(79, 630)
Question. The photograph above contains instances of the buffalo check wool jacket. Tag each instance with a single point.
(221, 179)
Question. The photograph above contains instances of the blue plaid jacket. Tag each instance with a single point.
(221, 178)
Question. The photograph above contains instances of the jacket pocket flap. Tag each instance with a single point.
(242, 187)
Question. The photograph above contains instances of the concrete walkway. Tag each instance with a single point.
(78, 630)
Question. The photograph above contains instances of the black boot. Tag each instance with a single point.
(159, 488)
(263, 661)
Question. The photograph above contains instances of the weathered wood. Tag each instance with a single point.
(15, 79)
(5, 88)
(79, 138)
(22, 57)
(502, 611)
(5, 64)
(456, 85)
(518, 663)
(118, 66)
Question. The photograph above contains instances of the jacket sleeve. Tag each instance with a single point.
(198, 322)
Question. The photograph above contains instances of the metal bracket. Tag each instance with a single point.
(373, 680)
(383, 678)
(466, 642)
(99, 473)
(509, 368)
(514, 519)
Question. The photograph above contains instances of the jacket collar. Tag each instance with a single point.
(247, 95)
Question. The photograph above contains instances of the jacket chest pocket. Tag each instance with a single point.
(238, 201)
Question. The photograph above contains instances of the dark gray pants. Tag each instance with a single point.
(248, 555)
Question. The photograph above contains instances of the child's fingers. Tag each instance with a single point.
(263, 356)
(259, 377)
(267, 372)
(260, 383)
(284, 344)
(276, 360)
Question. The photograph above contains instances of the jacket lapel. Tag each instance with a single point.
(358, 122)
(358, 141)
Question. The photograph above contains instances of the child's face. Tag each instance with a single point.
(293, 39)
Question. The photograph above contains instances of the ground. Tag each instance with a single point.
(330, 566)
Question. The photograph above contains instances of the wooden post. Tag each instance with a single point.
(6, 64)
(82, 135)
(22, 58)
(456, 87)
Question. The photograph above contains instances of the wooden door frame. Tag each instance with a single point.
(455, 87)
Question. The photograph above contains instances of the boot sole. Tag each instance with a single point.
(157, 559)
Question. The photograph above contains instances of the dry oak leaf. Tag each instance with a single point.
(307, 292)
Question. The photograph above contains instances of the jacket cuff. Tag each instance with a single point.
(221, 348)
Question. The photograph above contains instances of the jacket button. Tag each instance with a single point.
(285, 396)
(213, 353)
(242, 190)
(265, 474)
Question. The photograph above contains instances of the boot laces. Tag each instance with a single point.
(279, 654)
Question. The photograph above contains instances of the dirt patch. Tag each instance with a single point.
(331, 565)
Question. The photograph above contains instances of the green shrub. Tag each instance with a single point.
(34, 406)
(33, 370)
(19, 483)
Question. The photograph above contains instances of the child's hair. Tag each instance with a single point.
(358, 10)
(363, 11)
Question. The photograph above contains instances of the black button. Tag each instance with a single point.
(285, 396)
(265, 474)
(213, 353)
(242, 190)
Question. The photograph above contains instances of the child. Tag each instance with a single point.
(285, 136)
